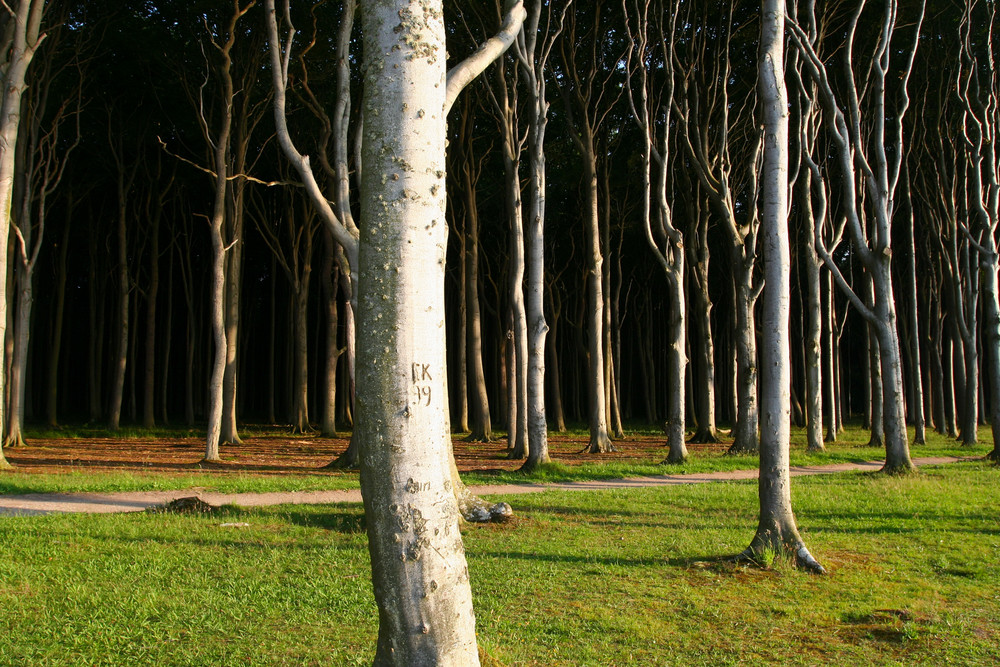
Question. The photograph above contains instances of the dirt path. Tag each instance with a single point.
(137, 501)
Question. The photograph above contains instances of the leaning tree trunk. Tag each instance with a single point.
(777, 532)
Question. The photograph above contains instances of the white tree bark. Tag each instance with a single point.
(534, 58)
(21, 38)
(418, 564)
(866, 156)
(667, 243)
(776, 530)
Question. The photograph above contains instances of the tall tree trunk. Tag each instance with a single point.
(229, 432)
(702, 343)
(419, 571)
(814, 324)
(746, 428)
(149, 356)
(830, 410)
(19, 44)
(55, 348)
(597, 408)
(124, 289)
(481, 426)
(777, 531)
(328, 426)
(534, 67)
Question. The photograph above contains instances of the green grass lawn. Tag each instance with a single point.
(627, 577)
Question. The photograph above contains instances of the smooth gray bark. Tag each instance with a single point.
(419, 571)
(777, 532)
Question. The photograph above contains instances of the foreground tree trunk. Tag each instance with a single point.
(418, 562)
(777, 532)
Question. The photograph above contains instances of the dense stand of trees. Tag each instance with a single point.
(148, 131)
(683, 213)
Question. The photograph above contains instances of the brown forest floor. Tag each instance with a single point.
(281, 455)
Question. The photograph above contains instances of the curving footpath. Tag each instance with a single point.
(138, 501)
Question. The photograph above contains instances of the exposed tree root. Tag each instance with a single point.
(531, 465)
(349, 460)
(706, 436)
(898, 469)
(766, 549)
(743, 447)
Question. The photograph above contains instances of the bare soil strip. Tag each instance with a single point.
(138, 501)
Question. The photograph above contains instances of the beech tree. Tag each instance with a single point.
(978, 90)
(709, 122)
(20, 37)
(647, 48)
(868, 143)
(777, 532)
(44, 155)
(418, 565)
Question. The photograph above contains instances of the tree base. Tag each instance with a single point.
(600, 446)
(14, 441)
(903, 468)
(674, 459)
(994, 455)
(768, 549)
(479, 436)
(705, 437)
(531, 465)
(740, 448)
(349, 460)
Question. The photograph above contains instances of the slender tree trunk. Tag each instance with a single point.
(300, 355)
(777, 531)
(597, 410)
(149, 351)
(814, 325)
(234, 269)
(328, 426)
(517, 426)
(55, 349)
(554, 376)
(124, 289)
(482, 428)
(829, 360)
(702, 341)
(746, 428)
